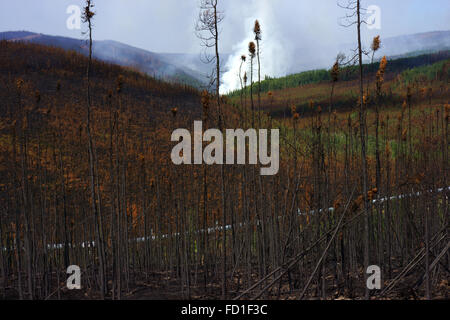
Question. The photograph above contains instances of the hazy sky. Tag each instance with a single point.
(168, 25)
(297, 34)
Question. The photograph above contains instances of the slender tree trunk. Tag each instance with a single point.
(91, 167)
(362, 120)
(259, 83)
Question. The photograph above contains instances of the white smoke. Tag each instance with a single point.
(275, 52)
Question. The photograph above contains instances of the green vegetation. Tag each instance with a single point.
(436, 71)
(349, 72)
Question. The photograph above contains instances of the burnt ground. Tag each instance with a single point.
(161, 286)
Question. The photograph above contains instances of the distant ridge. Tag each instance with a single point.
(189, 69)
(426, 42)
(147, 62)
(407, 45)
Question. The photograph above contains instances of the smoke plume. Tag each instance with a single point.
(275, 50)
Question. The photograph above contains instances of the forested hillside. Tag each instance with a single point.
(110, 200)
(348, 73)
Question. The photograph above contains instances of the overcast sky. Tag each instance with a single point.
(297, 34)
(168, 25)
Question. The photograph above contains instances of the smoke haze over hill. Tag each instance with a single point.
(297, 34)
